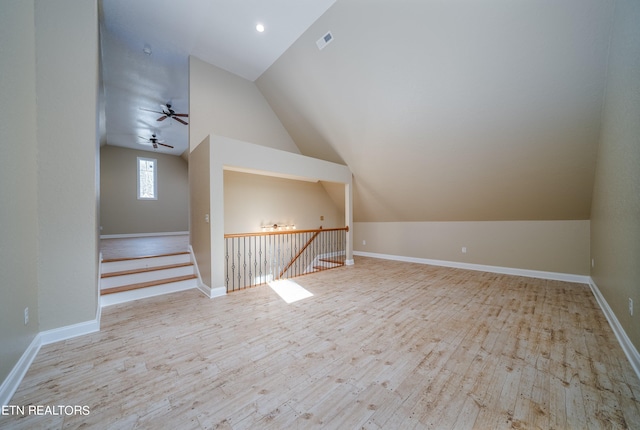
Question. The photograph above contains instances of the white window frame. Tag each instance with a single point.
(155, 178)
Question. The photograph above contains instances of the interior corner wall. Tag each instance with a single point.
(251, 201)
(615, 212)
(67, 94)
(549, 246)
(18, 183)
(200, 201)
(120, 210)
(227, 105)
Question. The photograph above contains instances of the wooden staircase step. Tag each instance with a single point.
(144, 270)
(111, 260)
(337, 261)
(146, 284)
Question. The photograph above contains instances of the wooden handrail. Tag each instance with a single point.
(271, 233)
(293, 260)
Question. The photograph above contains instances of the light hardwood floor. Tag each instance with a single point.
(143, 246)
(380, 344)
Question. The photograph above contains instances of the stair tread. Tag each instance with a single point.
(111, 260)
(144, 270)
(333, 260)
(146, 284)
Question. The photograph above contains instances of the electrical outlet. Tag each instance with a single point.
(593, 262)
(464, 249)
(364, 242)
(630, 306)
(26, 315)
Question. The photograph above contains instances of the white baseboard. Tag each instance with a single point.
(129, 235)
(629, 350)
(217, 292)
(13, 380)
(69, 332)
(567, 277)
(349, 262)
(204, 288)
(212, 292)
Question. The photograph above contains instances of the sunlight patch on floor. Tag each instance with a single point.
(289, 291)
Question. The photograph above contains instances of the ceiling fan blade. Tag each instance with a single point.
(164, 144)
(162, 118)
(149, 110)
(186, 115)
(179, 120)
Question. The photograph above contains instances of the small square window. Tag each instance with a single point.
(147, 179)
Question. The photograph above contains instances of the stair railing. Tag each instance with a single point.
(256, 258)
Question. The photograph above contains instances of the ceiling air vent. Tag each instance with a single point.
(324, 40)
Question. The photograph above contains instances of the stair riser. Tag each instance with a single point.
(142, 263)
(127, 296)
(155, 275)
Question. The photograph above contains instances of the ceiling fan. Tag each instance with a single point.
(167, 112)
(155, 141)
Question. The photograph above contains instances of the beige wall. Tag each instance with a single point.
(550, 246)
(615, 214)
(452, 111)
(18, 182)
(200, 201)
(67, 93)
(228, 105)
(120, 210)
(254, 200)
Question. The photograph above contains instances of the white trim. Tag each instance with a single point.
(124, 236)
(99, 310)
(201, 285)
(206, 290)
(217, 292)
(349, 262)
(13, 380)
(69, 332)
(154, 163)
(629, 350)
(568, 277)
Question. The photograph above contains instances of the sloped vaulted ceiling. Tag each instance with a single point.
(452, 110)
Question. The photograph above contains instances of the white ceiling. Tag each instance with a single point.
(220, 32)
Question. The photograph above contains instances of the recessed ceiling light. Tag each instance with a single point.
(260, 28)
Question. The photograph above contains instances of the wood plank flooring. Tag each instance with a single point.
(380, 345)
(143, 246)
